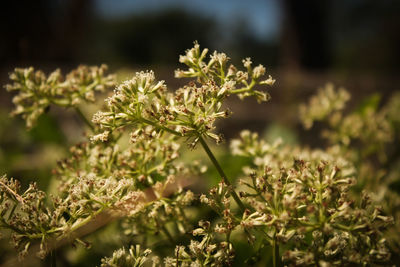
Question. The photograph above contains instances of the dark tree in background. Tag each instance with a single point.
(314, 35)
(305, 39)
(155, 38)
(352, 35)
(42, 30)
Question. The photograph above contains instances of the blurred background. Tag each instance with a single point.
(303, 44)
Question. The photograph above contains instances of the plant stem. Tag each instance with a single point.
(275, 252)
(221, 172)
(143, 120)
(244, 89)
(85, 120)
(75, 226)
(17, 197)
(276, 260)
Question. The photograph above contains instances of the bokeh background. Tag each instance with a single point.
(303, 44)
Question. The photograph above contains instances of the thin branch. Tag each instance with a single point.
(221, 172)
(143, 120)
(17, 197)
(84, 119)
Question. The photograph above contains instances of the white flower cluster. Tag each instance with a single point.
(36, 91)
(295, 192)
(127, 258)
(327, 101)
(193, 109)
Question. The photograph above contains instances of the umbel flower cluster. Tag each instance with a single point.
(36, 92)
(291, 205)
(192, 110)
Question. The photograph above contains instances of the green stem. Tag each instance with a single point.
(160, 126)
(240, 91)
(71, 229)
(342, 227)
(221, 172)
(275, 252)
(85, 120)
(244, 89)
(202, 73)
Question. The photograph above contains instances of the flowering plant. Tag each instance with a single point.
(291, 205)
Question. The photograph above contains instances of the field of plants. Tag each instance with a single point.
(152, 181)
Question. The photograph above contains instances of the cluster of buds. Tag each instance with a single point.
(206, 252)
(367, 136)
(26, 215)
(143, 161)
(29, 217)
(367, 125)
(218, 199)
(166, 202)
(155, 195)
(294, 198)
(133, 256)
(278, 155)
(327, 101)
(192, 110)
(228, 78)
(36, 91)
